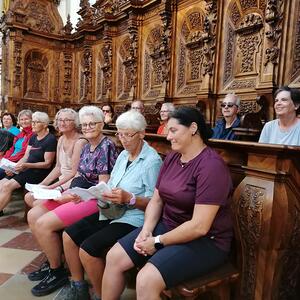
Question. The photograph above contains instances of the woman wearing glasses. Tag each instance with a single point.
(188, 229)
(230, 109)
(47, 219)
(121, 210)
(37, 161)
(165, 111)
(69, 147)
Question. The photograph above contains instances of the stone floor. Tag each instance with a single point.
(20, 254)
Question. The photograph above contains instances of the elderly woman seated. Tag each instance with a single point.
(120, 211)
(166, 109)
(285, 129)
(47, 219)
(187, 229)
(68, 152)
(37, 162)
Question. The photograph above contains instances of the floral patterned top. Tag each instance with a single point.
(97, 162)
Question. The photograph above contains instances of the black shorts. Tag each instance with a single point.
(95, 236)
(177, 263)
(30, 176)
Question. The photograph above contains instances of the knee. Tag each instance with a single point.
(41, 225)
(32, 217)
(29, 199)
(6, 187)
(143, 280)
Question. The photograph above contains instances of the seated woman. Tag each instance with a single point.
(285, 130)
(165, 111)
(47, 219)
(9, 123)
(187, 230)
(37, 162)
(132, 181)
(67, 155)
(20, 143)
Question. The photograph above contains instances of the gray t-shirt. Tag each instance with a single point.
(272, 134)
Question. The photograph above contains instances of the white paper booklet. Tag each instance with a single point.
(94, 192)
(8, 165)
(39, 191)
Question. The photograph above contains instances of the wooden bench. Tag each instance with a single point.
(266, 211)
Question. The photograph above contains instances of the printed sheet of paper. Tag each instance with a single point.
(8, 165)
(39, 192)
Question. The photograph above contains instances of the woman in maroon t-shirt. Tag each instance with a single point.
(187, 222)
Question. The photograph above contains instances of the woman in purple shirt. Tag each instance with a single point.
(187, 222)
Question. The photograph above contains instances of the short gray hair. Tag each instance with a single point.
(170, 106)
(41, 116)
(91, 110)
(131, 120)
(25, 112)
(69, 111)
(235, 97)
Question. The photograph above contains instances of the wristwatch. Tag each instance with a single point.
(157, 243)
(132, 200)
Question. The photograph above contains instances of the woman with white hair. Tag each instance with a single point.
(166, 109)
(37, 162)
(47, 219)
(132, 184)
(69, 147)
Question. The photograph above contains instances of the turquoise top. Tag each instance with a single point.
(138, 178)
(14, 130)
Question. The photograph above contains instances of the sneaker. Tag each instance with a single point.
(41, 273)
(53, 281)
(74, 291)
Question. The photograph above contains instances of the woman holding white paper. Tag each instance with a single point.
(46, 220)
(122, 210)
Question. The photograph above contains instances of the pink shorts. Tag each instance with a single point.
(70, 213)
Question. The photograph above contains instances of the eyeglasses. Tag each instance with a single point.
(64, 120)
(91, 125)
(36, 122)
(125, 136)
(106, 110)
(164, 111)
(229, 104)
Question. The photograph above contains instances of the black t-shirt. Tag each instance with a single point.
(39, 147)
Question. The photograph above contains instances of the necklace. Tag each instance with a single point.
(182, 164)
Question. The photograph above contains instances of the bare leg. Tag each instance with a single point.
(149, 283)
(117, 262)
(34, 214)
(72, 257)
(7, 186)
(94, 267)
(47, 229)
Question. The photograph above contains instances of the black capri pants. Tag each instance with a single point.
(94, 236)
(180, 262)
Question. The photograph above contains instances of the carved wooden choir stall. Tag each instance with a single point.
(189, 52)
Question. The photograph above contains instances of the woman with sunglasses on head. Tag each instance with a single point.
(37, 161)
(284, 130)
(69, 147)
(188, 229)
(47, 219)
(121, 210)
(230, 109)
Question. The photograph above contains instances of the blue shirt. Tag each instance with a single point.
(13, 129)
(138, 178)
(221, 132)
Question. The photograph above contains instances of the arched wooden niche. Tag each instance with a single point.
(36, 75)
(243, 42)
(152, 80)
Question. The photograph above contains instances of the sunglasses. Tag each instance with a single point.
(106, 110)
(224, 104)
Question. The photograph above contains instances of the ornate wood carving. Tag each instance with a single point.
(273, 17)
(68, 27)
(36, 75)
(68, 62)
(86, 74)
(296, 49)
(18, 63)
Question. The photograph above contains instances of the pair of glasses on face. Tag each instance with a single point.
(36, 122)
(106, 110)
(64, 120)
(164, 111)
(125, 136)
(229, 104)
(91, 125)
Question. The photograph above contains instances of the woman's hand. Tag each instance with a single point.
(65, 198)
(146, 247)
(9, 173)
(140, 240)
(117, 196)
(20, 166)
